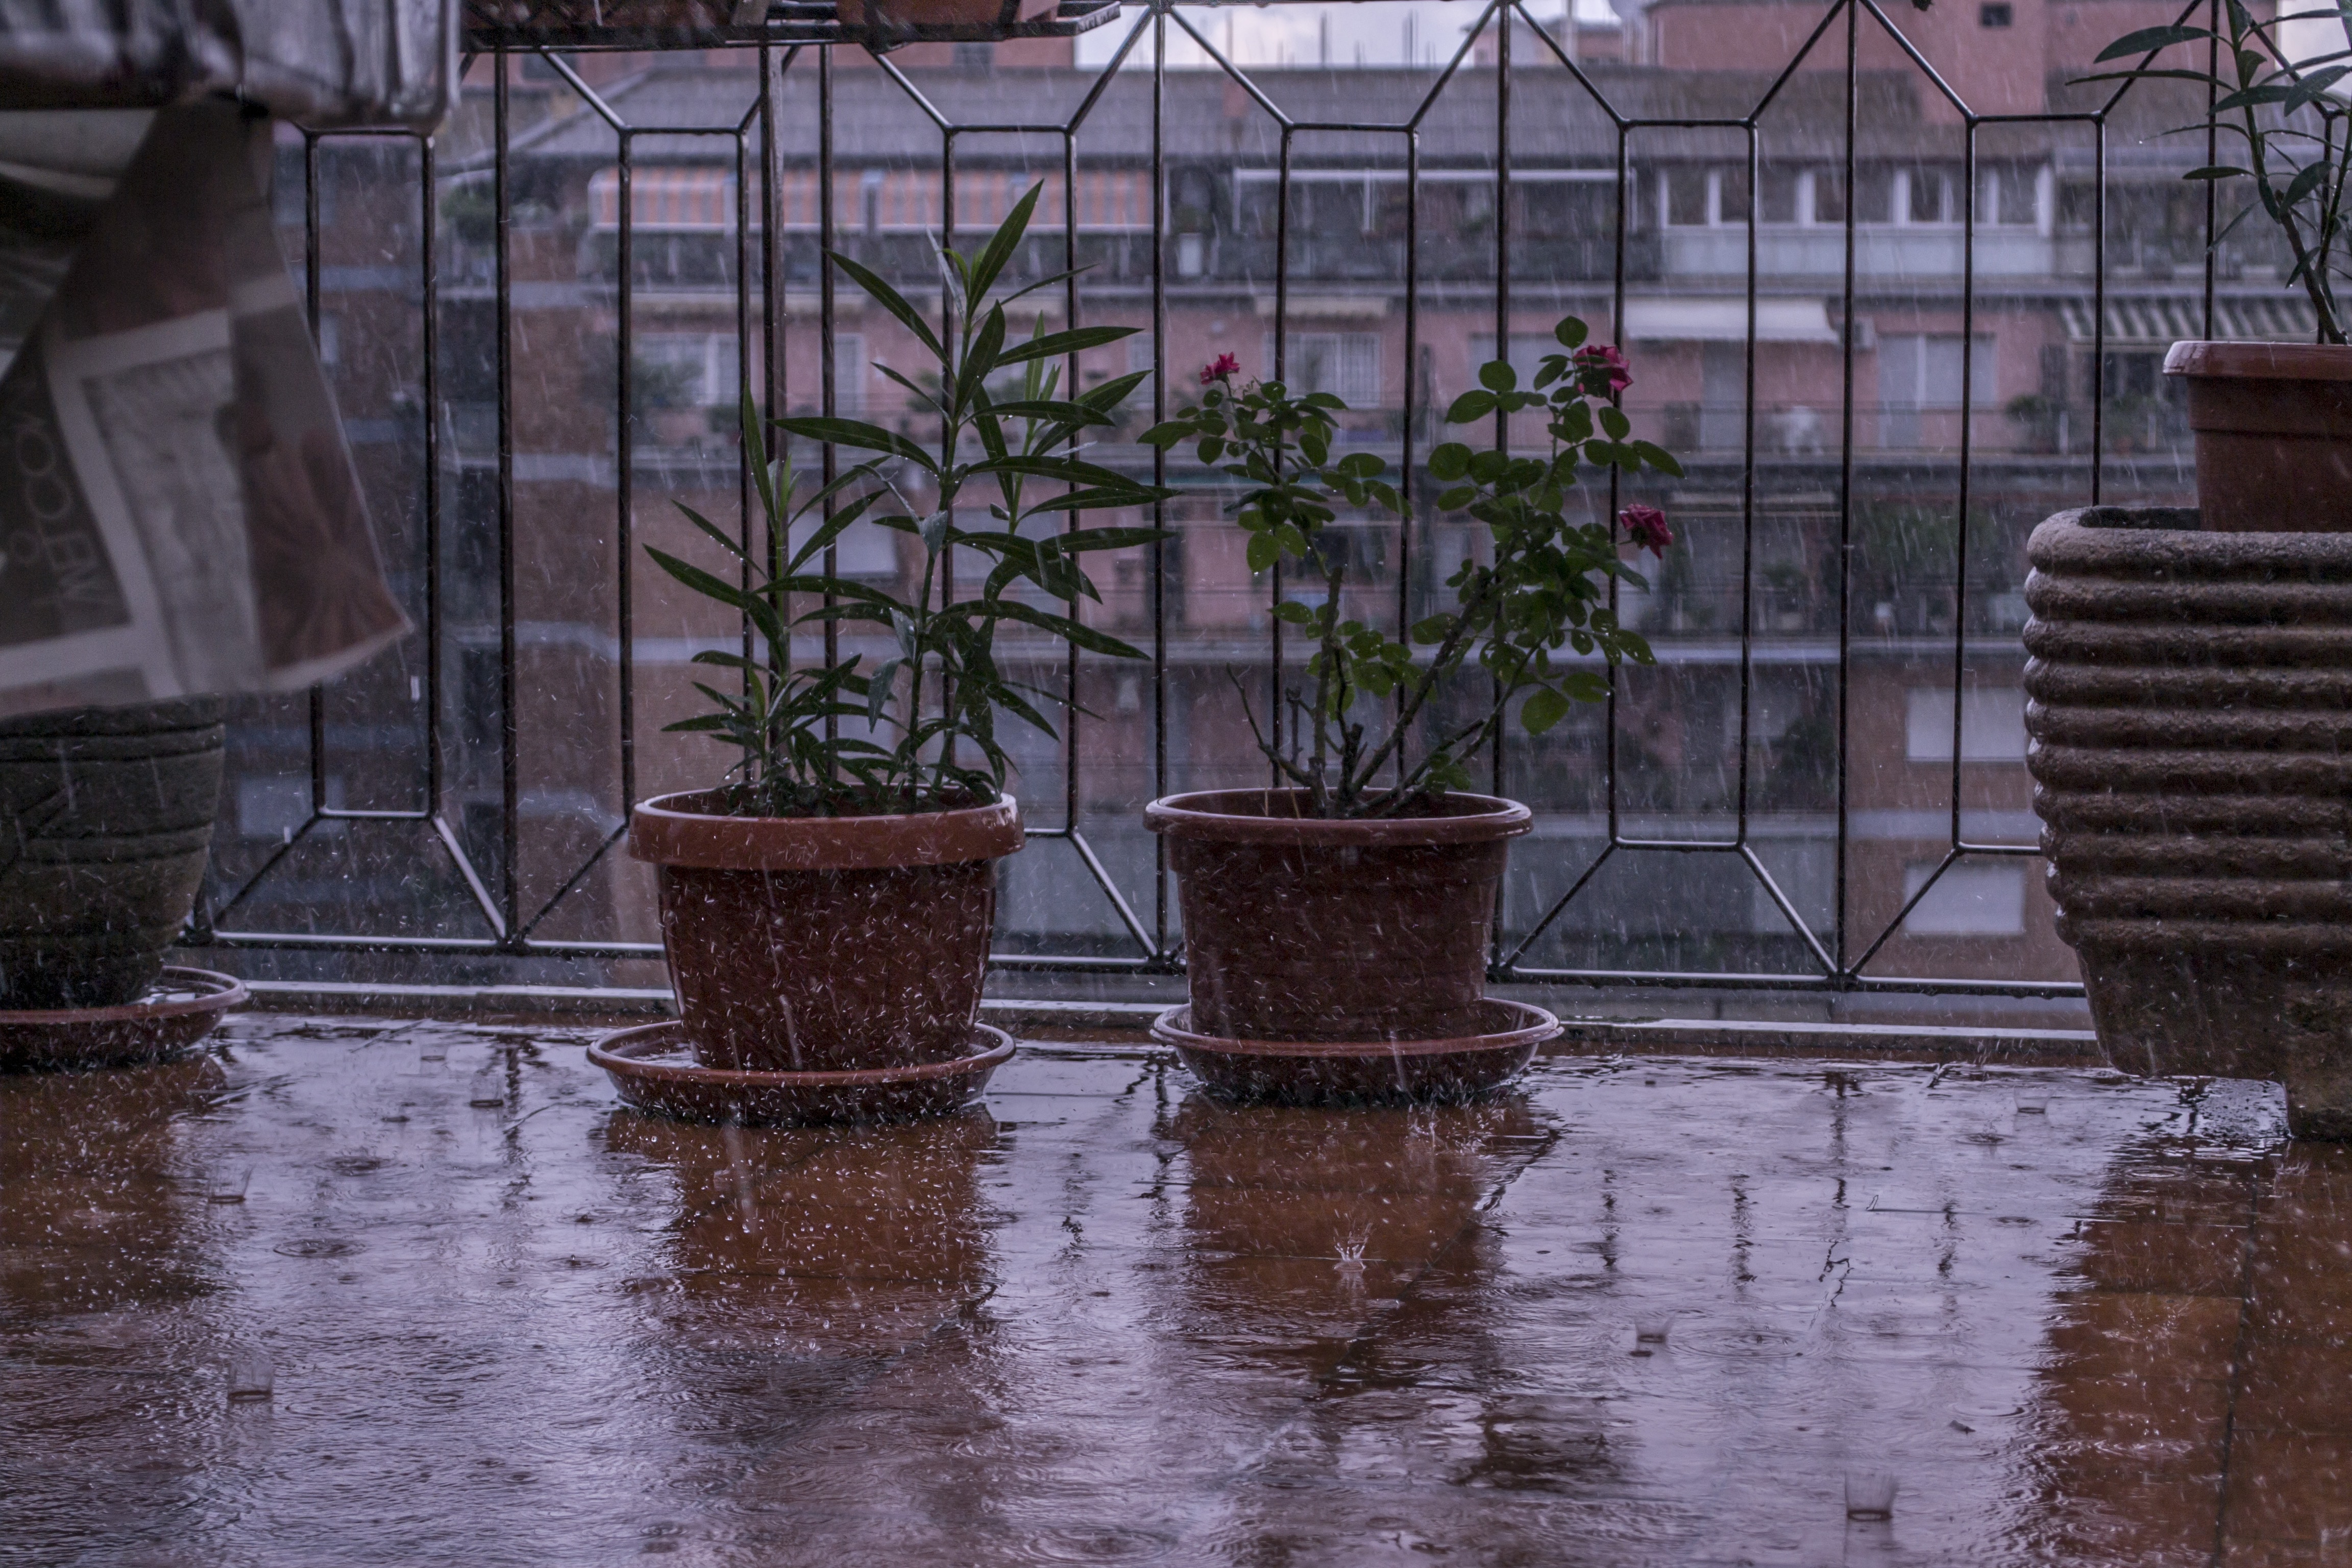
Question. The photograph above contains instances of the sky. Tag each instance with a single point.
(1394, 32)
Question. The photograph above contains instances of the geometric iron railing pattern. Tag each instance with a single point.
(1819, 787)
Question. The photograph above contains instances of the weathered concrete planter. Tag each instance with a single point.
(2191, 722)
(106, 818)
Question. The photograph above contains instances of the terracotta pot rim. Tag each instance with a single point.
(1524, 1025)
(667, 830)
(1479, 819)
(215, 992)
(2259, 362)
(620, 1052)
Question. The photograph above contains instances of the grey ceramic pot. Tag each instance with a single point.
(2190, 713)
(106, 818)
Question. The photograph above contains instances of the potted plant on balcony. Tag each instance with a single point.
(2190, 670)
(106, 824)
(2272, 421)
(1336, 923)
(826, 912)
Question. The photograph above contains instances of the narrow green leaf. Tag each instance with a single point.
(857, 433)
(1004, 242)
(726, 540)
(891, 299)
(1054, 345)
(2146, 40)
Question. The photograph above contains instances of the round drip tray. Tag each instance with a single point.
(178, 1010)
(653, 1067)
(1321, 1073)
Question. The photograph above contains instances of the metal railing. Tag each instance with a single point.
(481, 844)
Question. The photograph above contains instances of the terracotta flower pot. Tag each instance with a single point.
(1302, 929)
(2191, 722)
(826, 944)
(2274, 425)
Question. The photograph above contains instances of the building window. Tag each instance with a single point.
(1971, 899)
(686, 370)
(848, 373)
(1992, 725)
(1995, 13)
(1345, 364)
(1919, 371)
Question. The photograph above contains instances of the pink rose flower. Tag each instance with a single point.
(1603, 367)
(1225, 367)
(1645, 526)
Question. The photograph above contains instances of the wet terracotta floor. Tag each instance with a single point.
(1104, 1320)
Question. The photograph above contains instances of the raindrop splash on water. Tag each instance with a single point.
(1869, 1494)
(251, 1375)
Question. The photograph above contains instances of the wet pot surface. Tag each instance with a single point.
(1335, 930)
(106, 821)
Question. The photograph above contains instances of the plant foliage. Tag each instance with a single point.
(1532, 613)
(2285, 122)
(915, 730)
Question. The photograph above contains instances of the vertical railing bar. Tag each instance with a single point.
(1747, 488)
(1617, 335)
(1275, 710)
(428, 231)
(1405, 497)
(1159, 459)
(509, 729)
(771, 326)
(1502, 21)
(743, 487)
(1071, 718)
(1967, 456)
(2099, 312)
(828, 379)
(1850, 203)
(317, 704)
(948, 338)
(625, 487)
(2212, 153)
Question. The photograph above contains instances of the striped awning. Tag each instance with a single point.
(701, 199)
(674, 200)
(2144, 321)
(899, 201)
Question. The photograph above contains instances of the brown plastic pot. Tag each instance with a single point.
(826, 944)
(2274, 424)
(1303, 930)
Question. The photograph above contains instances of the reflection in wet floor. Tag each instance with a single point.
(1103, 1319)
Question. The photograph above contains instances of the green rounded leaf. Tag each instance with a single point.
(1543, 709)
(1470, 405)
(1571, 333)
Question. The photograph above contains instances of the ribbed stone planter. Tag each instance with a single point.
(2190, 710)
(106, 818)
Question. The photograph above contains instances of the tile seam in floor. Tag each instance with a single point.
(2254, 1185)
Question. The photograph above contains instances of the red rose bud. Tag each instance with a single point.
(1605, 368)
(1225, 367)
(1646, 527)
